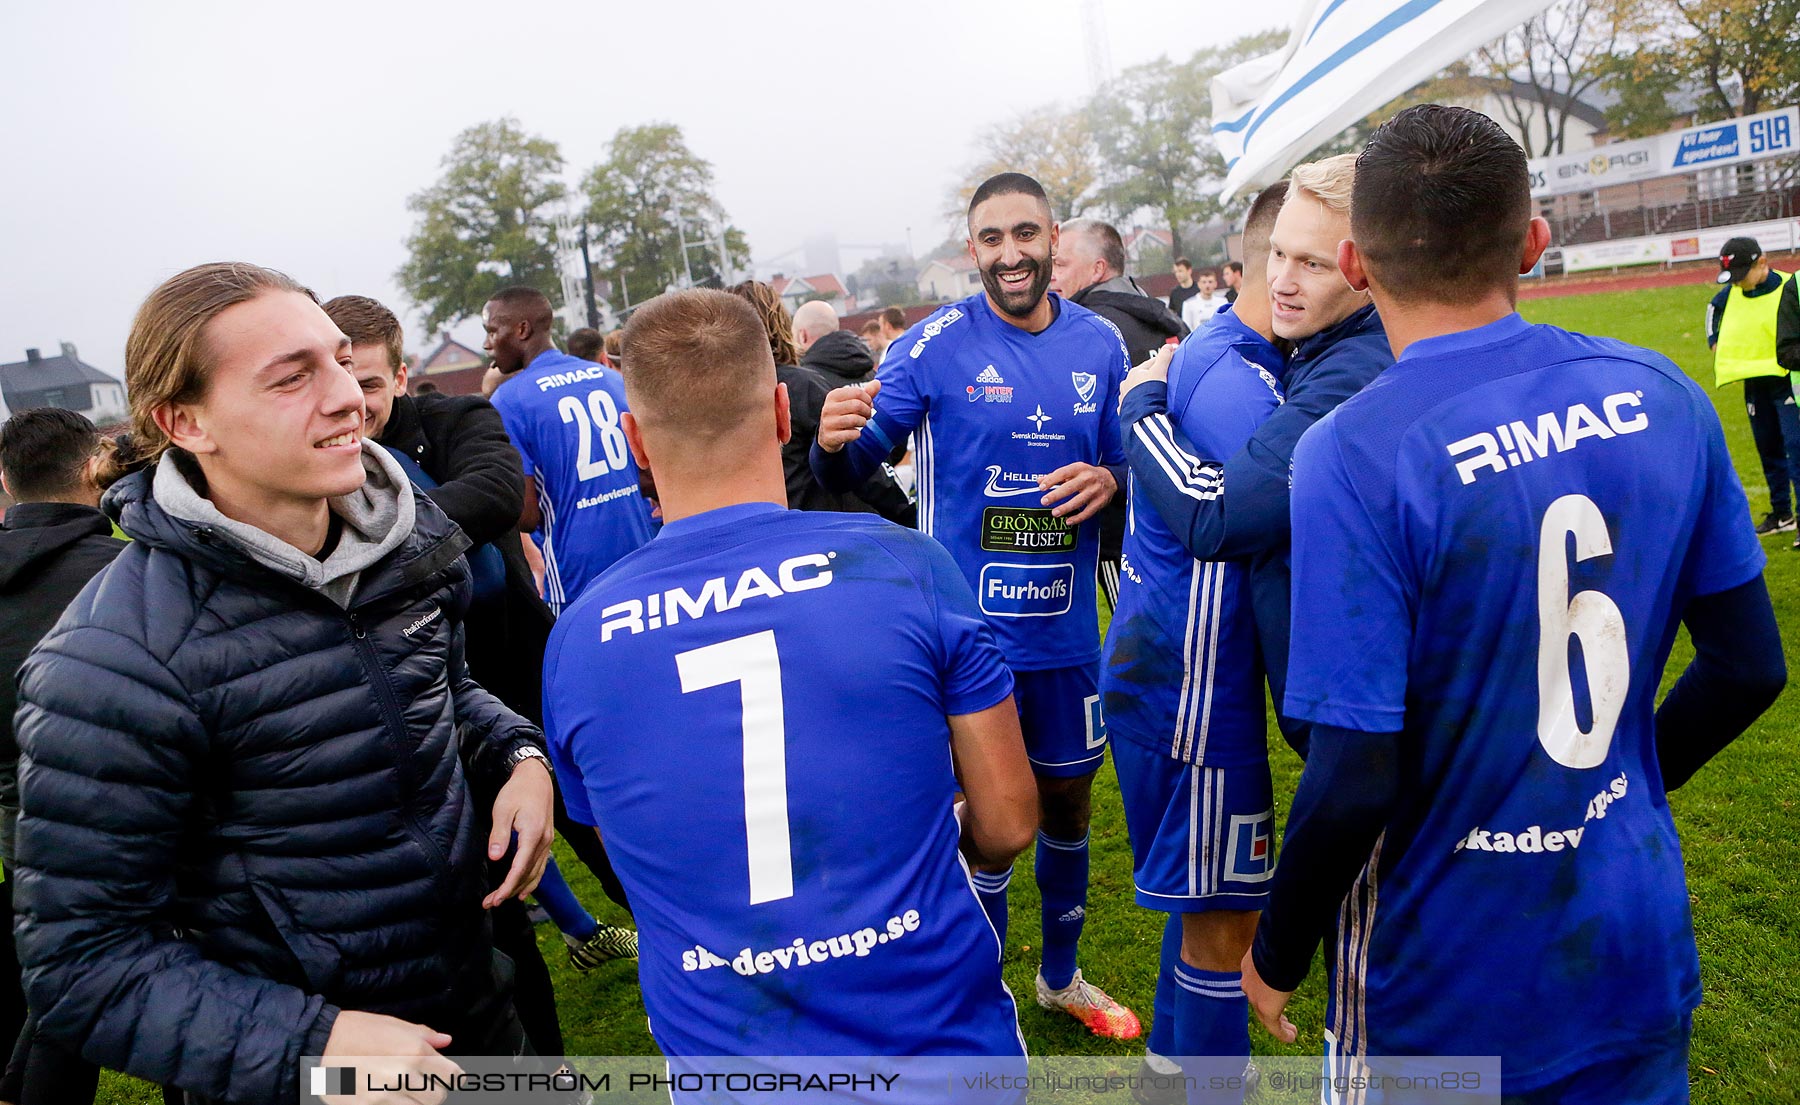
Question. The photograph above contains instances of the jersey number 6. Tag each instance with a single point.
(753, 664)
(1594, 620)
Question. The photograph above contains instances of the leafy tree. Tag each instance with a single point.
(1054, 147)
(1153, 126)
(1643, 84)
(648, 181)
(488, 222)
(1739, 54)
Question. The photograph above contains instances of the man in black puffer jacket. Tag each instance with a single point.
(247, 832)
(831, 358)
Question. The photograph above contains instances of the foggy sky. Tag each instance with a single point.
(142, 138)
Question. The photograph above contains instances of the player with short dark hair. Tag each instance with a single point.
(782, 822)
(1020, 384)
(588, 344)
(1493, 544)
(44, 455)
(581, 485)
(1183, 685)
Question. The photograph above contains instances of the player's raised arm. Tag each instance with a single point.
(846, 411)
(1000, 811)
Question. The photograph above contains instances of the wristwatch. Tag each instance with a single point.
(528, 752)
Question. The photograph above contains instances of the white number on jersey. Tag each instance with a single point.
(753, 663)
(1592, 618)
(602, 413)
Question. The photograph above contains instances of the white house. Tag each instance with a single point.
(795, 290)
(951, 278)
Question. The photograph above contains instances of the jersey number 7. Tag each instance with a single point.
(1594, 620)
(753, 663)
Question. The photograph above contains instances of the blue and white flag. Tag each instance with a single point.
(1344, 59)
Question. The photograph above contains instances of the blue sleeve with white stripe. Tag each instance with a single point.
(1234, 509)
(898, 409)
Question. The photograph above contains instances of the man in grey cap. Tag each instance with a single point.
(1741, 330)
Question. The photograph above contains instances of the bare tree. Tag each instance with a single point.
(1548, 64)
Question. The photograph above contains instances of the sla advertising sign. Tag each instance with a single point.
(1728, 142)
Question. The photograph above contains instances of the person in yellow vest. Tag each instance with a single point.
(1740, 328)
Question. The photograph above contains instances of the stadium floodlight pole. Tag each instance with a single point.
(681, 235)
(587, 273)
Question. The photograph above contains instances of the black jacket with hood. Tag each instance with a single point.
(48, 552)
(243, 802)
(835, 360)
(1144, 321)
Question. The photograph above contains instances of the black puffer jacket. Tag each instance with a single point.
(461, 443)
(244, 807)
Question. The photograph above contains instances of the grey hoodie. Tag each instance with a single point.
(376, 518)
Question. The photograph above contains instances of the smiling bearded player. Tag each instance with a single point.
(1017, 390)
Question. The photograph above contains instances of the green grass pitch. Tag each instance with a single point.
(1737, 819)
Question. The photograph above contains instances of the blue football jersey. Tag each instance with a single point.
(752, 709)
(1181, 670)
(562, 414)
(1493, 543)
(993, 408)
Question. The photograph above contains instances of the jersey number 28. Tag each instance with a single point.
(600, 412)
(1595, 621)
(753, 664)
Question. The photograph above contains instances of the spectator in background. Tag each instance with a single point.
(54, 540)
(832, 365)
(1743, 340)
(613, 348)
(1204, 303)
(814, 320)
(893, 324)
(1234, 279)
(870, 333)
(588, 344)
(1088, 268)
(1184, 285)
(426, 388)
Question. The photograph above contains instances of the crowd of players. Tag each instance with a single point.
(291, 755)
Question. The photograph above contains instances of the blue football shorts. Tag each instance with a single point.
(1202, 838)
